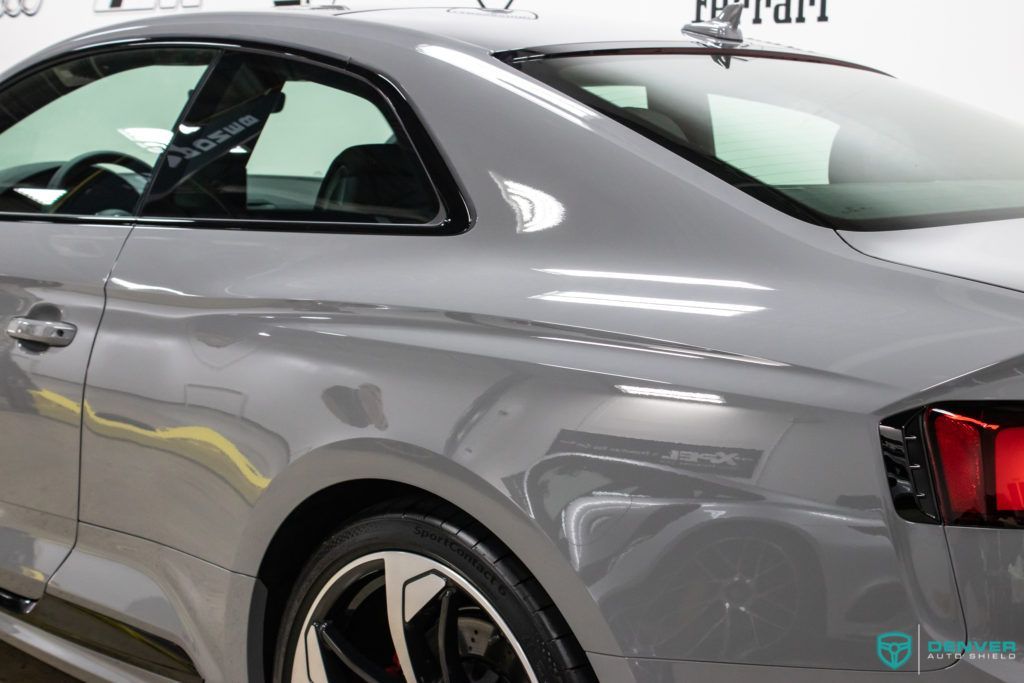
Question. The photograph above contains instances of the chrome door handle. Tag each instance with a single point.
(42, 331)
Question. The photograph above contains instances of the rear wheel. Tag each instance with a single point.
(421, 593)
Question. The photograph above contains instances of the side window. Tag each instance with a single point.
(281, 140)
(82, 138)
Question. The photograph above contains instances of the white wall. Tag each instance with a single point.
(970, 50)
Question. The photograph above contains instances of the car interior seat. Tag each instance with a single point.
(382, 182)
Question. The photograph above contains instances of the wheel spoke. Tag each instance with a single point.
(755, 615)
(398, 616)
(359, 665)
(308, 664)
(411, 584)
(714, 627)
(448, 639)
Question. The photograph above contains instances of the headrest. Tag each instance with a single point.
(372, 179)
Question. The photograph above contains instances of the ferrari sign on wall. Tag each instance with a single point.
(771, 11)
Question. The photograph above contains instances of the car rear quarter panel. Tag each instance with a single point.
(252, 402)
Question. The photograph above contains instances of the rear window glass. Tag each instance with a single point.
(834, 145)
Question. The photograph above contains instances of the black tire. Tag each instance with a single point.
(444, 534)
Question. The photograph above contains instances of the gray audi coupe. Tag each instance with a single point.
(459, 345)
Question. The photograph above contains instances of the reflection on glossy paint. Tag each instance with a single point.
(31, 573)
(667, 279)
(535, 209)
(139, 287)
(650, 303)
(119, 29)
(671, 394)
(584, 515)
(202, 445)
(1015, 573)
(679, 352)
(359, 407)
(512, 81)
(496, 13)
(624, 347)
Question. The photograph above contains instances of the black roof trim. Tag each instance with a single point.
(754, 50)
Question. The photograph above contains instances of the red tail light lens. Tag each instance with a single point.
(1010, 469)
(977, 453)
(958, 451)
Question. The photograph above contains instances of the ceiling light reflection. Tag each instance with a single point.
(503, 77)
(672, 394)
(535, 209)
(667, 279)
(624, 347)
(693, 353)
(651, 303)
(119, 29)
(138, 287)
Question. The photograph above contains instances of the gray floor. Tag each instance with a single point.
(18, 668)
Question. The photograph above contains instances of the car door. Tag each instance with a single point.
(231, 288)
(78, 141)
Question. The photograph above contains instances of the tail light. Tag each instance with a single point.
(960, 464)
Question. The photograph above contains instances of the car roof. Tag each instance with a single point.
(471, 29)
(543, 30)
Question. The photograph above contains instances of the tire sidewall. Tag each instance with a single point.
(402, 534)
